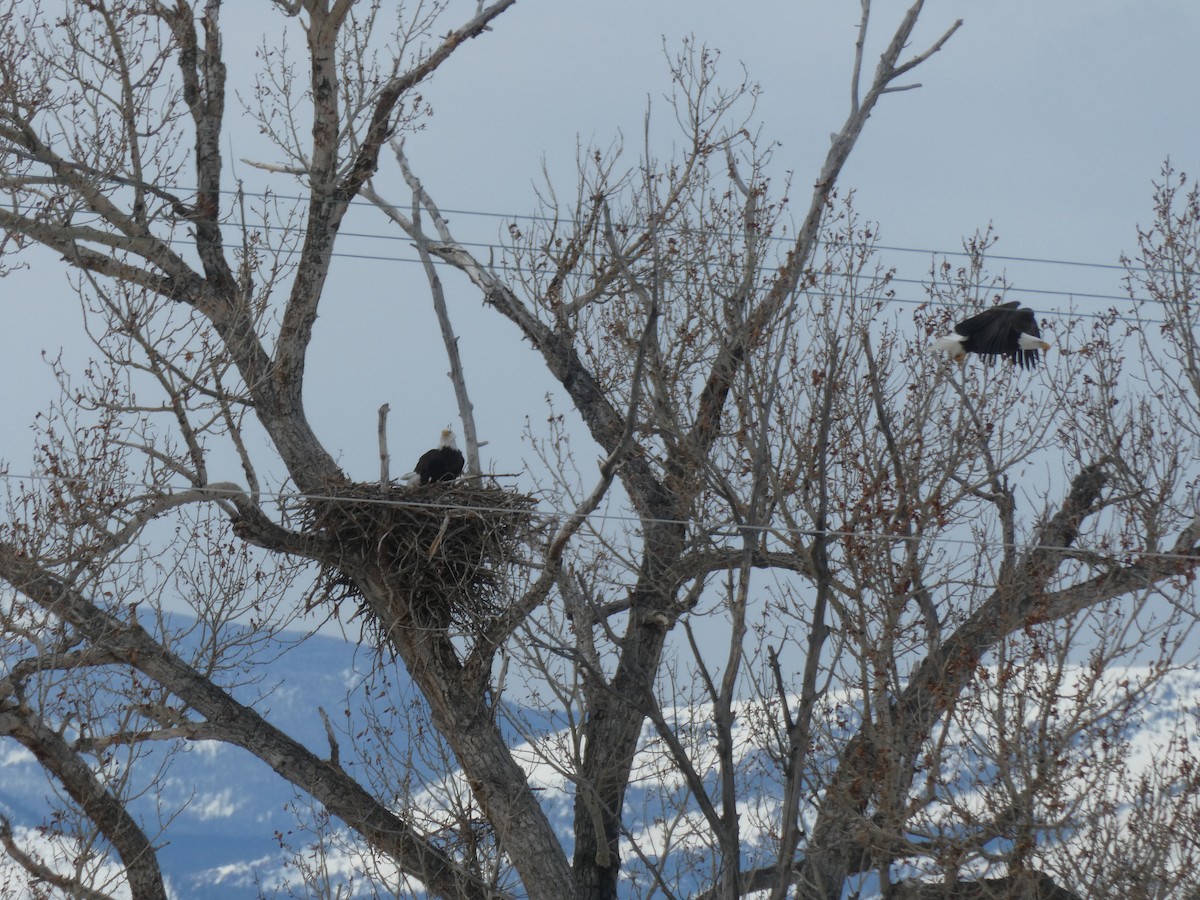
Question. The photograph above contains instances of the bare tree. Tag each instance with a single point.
(865, 621)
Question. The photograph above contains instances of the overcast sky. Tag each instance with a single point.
(1048, 119)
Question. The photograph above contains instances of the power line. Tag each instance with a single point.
(491, 247)
(268, 194)
(763, 269)
(909, 301)
(514, 269)
(487, 245)
(710, 527)
(534, 217)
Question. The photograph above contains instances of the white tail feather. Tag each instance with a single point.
(951, 343)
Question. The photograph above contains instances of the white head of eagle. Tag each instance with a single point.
(1004, 330)
(443, 463)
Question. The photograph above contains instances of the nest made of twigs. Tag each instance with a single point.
(443, 551)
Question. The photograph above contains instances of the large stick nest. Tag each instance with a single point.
(444, 552)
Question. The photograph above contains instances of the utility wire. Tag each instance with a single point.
(534, 217)
(1006, 289)
(267, 194)
(764, 269)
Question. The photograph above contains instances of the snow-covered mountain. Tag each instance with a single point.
(228, 843)
(233, 805)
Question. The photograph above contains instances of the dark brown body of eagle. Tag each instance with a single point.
(443, 463)
(1004, 330)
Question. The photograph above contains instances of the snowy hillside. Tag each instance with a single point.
(227, 842)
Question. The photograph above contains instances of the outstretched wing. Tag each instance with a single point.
(989, 323)
(997, 332)
(1025, 322)
(990, 333)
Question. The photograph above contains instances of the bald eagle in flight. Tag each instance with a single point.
(1004, 330)
(443, 463)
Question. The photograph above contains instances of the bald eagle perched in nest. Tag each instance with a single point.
(1004, 330)
(443, 463)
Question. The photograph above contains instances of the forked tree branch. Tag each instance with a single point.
(240, 725)
(834, 850)
(107, 811)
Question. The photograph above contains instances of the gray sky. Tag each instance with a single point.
(1048, 119)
